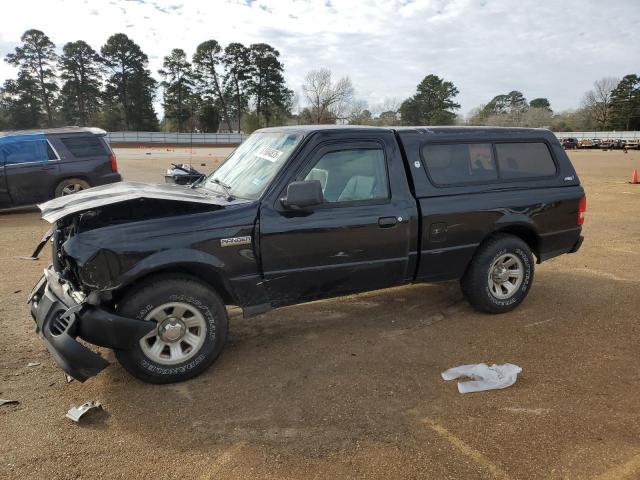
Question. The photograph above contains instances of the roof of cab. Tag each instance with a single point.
(49, 131)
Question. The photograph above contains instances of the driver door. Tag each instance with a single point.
(356, 240)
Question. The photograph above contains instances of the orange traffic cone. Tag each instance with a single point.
(634, 177)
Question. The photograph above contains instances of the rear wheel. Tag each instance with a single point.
(500, 274)
(191, 329)
(70, 186)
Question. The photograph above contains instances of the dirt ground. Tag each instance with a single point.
(351, 388)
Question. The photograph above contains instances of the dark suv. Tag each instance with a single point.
(36, 166)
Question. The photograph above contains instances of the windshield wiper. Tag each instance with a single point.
(227, 189)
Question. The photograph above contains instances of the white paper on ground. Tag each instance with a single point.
(483, 377)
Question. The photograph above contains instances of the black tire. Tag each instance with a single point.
(76, 184)
(476, 284)
(161, 290)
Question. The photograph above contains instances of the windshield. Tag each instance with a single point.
(250, 168)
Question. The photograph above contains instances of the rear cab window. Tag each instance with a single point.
(456, 164)
(524, 160)
(85, 146)
(460, 163)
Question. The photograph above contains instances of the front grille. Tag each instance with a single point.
(59, 325)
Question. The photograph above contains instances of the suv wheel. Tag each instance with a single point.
(71, 185)
(500, 274)
(191, 329)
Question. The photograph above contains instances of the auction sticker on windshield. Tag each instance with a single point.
(270, 154)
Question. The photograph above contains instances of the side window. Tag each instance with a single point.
(460, 163)
(24, 150)
(352, 175)
(522, 160)
(85, 146)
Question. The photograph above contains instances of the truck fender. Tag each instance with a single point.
(200, 264)
(520, 225)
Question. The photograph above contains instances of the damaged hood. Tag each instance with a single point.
(120, 192)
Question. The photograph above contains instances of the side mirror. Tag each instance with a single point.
(303, 194)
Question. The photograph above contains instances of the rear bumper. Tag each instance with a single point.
(60, 320)
(558, 243)
(577, 245)
(106, 179)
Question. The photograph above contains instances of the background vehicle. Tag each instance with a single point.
(633, 144)
(585, 143)
(36, 166)
(298, 214)
(570, 143)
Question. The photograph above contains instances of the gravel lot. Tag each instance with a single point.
(350, 387)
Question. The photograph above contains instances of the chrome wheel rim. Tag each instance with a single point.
(505, 276)
(72, 188)
(179, 334)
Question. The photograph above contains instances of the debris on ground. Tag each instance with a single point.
(8, 402)
(33, 364)
(68, 378)
(76, 413)
(483, 377)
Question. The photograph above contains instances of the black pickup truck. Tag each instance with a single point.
(297, 214)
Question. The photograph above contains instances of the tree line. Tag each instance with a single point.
(611, 105)
(231, 88)
(242, 88)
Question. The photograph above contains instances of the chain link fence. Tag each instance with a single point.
(180, 138)
(600, 135)
(238, 138)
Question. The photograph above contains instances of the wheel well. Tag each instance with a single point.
(528, 235)
(205, 275)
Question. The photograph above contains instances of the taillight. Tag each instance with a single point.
(114, 163)
(582, 207)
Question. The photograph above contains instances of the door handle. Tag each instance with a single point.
(387, 222)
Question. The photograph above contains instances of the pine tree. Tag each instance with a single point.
(238, 66)
(432, 104)
(271, 96)
(178, 83)
(36, 59)
(625, 104)
(206, 62)
(22, 103)
(130, 89)
(80, 94)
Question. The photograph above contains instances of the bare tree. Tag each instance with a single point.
(597, 102)
(328, 102)
(359, 113)
(389, 104)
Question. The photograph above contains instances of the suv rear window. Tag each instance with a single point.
(460, 163)
(524, 160)
(86, 146)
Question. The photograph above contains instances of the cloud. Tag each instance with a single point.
(487, 47)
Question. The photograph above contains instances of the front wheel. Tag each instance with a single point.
(191, 329)
(500, 274)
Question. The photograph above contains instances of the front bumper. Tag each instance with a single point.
(60, 320)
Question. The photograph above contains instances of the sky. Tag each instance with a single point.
(543, 48)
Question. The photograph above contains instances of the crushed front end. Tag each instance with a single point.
(65, 313)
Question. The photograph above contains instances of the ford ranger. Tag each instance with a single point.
(296, 214)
